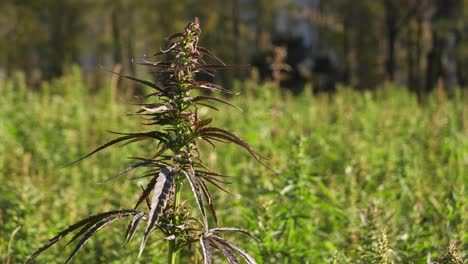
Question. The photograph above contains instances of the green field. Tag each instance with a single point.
(372, 177)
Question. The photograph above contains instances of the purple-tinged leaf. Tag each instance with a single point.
(147, 200)
(207, 52)
(108, 144)
(218, 186)
(105, 222)
(210, 86)
(176, 35)
(132, 227)
(196, 192)
(85, 222)
(150, 84)
(227, 138)
(234, 247)
(202, 123)
(138, 139)
(230, 229)
(146, 191)
(209, 106)
(158, 64)
(152, 134)
(135, 166)
(209, 200)
(205, 176)
(218, 133)
(209, 142)
(161, 194)
(171, 47)
(82, 231)
(226, 252)
(202, 98)
(206, 250)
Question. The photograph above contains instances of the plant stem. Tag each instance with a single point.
(173, 255)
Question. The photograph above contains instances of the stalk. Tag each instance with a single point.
(173, 254)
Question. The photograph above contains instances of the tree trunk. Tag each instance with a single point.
(117, 46)
(391, 23)
(129, 38)
(55, 62)
(390, 65)
(418, 46)
(449, 63)
(236, 29)
(433, 63)
(410, 60)
(346, 52)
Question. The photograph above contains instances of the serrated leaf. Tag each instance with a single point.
(210, 86)
(209, 200)
(226, 252)
(234, 247)
(229, 139)
(157, 64)
(212, 98)
(162, 189)
(207, 171)
(206, 250)
(87, 221)
(146, 191)
(218, 133)
(105, 222)
(132, 227)
(230, 229)
(209, 106)
(108, 144)
(196, 192)
(207, 52)
(209, 142)
(82, 231)
(135, 166)
(127, 136)
(150, 84)
(217, 185)
(206, 176)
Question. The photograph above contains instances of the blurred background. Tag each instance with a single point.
(419, 44)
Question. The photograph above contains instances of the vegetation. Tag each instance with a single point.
(371, 177)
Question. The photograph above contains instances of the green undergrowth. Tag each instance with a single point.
(356, 177)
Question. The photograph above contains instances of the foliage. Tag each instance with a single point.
(340, 160)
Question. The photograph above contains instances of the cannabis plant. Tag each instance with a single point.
(171, 111)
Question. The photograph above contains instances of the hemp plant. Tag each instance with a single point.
(172, 113)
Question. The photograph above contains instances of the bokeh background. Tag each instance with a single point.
(415, 43)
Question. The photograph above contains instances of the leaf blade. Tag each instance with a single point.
(162, 189)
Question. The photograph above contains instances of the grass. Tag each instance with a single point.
(358, 177)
